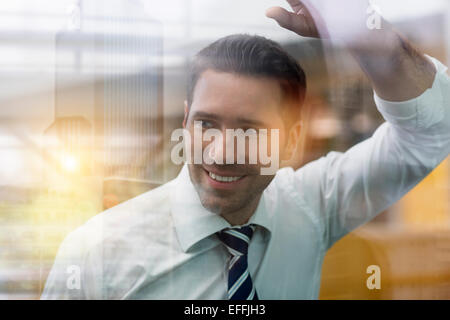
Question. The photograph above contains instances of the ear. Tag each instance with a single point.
(186, 113)
(293, 139)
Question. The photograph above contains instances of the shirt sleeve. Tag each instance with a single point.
(346, 190)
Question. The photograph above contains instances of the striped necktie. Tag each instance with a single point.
(240, 284)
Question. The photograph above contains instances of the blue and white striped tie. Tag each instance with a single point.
(240, 284)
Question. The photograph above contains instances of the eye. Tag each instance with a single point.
(207, 124)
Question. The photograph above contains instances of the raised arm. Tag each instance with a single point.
(412, 92)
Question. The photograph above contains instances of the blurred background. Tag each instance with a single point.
(91, 91)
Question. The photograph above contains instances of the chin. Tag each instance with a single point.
(219, 206)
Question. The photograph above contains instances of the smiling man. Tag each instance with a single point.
(224, 230)
(248, 83)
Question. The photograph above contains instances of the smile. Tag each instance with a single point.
(223, 179)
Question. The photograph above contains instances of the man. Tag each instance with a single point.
(226, 231)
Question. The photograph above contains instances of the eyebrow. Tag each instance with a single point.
(238, 119)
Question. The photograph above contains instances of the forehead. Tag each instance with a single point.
(232, 96)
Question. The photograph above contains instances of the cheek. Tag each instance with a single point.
(197, 174)
(260, 182)
(274, 142)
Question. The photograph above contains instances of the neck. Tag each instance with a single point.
(241, 216)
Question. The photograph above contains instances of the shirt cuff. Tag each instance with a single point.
(421, 112)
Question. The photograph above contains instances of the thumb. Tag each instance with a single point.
(280, 15)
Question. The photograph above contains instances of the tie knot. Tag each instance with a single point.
(237, 239)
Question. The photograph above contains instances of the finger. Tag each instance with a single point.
(290, 21)
(296, 5)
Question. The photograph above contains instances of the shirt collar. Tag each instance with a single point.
(194, 223)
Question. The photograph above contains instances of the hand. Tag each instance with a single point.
(330, 19)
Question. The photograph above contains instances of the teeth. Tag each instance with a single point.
(223, 179)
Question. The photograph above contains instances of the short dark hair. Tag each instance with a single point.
(256, 56)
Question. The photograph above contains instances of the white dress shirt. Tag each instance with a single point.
(162, 244)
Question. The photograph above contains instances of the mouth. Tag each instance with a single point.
(224, 178)
(223, 181)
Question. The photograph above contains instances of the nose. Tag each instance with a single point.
(215, 151)
(223, 151)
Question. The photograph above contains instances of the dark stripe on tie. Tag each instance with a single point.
(234, 243)
(238, 268)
